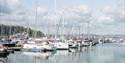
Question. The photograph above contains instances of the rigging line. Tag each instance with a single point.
(63, 23)
(59, 25)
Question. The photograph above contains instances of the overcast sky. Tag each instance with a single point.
(105, 16)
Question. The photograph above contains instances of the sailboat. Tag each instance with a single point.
(32, 44)
(42, 46)
(60, 44)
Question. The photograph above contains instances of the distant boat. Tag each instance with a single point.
(86, 42)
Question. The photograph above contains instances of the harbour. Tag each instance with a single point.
(62, 31)
(104, 53)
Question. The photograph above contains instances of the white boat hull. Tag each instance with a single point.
(37, 48)
(61, 46)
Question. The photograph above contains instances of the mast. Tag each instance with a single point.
(55, 8)
(124, 28)
(35, 32)
(72, 30)
(63, 25)
(59, 24)
(27, 29)
(48, 29)
(1, 30)
(82, 31)
(10, 27)
(88, 29)
(79, 31)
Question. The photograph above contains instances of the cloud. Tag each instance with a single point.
(113, 14)
(14, 9)
(77, 13)
(105, 20)
(9, 6)
(13, 12)
(111, 20)
(17, 15)
(68, 16)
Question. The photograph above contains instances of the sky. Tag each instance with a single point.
(105, 16)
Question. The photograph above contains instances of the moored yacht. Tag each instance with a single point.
(48, 47)
(61, 45)
(32, 47)
(3, 51)
(72, 44)
(86, 43)
(38, 47)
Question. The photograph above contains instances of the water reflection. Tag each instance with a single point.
(107, 53)
(39, 55)
(2, 60)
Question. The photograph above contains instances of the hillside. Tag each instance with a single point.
(6, 30)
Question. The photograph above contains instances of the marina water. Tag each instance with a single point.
(102, 53)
